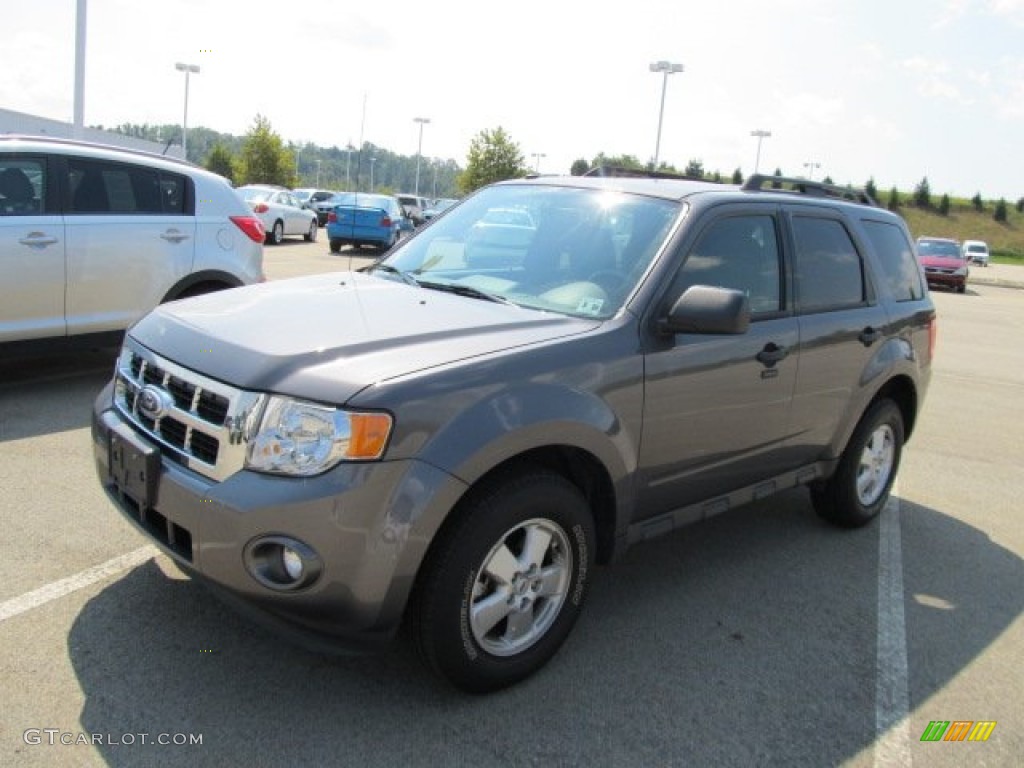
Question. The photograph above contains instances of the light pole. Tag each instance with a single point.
(666, 68)
(760, 134)
(348, 165)
(419, 151)
(810, 166)
(188, 69)
(372, 161)
(536, 161)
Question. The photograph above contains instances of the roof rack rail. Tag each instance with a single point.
(618, 171)
(50, 139)
(797, 186)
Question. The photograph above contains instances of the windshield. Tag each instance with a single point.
(302, 194)
(977, 248)
(944, 248)
(575, 251)
(254, 193)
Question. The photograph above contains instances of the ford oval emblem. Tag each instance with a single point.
(153, 402)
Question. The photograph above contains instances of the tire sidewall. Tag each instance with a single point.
(452, 648)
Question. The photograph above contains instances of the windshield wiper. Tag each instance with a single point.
(388, 269)
(467, 290)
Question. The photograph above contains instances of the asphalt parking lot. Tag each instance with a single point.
(762, 637)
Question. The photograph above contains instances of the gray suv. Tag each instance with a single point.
(92, 237)
(452, 448)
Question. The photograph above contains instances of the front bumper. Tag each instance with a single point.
(370, 525)
(946, 279)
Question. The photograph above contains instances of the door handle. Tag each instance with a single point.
(771, 354)
(174, 236)
(869, 336)
(37, 238)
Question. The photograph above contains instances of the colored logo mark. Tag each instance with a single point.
(958, 730)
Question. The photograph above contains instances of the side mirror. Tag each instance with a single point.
(708, 309)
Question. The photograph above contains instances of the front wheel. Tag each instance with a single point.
(505, 585)
(867, 469)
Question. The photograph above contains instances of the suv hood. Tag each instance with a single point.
(326, 337)
(943, 262)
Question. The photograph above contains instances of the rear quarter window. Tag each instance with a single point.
(829, 272)
(901, 274)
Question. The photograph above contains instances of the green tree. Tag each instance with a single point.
(871, 189)
(264, 158)
(220, 160)
(894, 199)
(923, 194)
(1020, 205)
(579, 167)
(493, 156)
(737, 176)
(1000, 214)
(977, 202)
(694, 169)
(827, 180)
(944, 205)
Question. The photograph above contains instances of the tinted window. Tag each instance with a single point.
(22, 186)
(742, 253)
(829, 274)
(900, 270)
(98, 187)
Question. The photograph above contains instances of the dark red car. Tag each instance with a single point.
(944, 263)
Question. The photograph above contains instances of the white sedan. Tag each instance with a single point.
(280, 211)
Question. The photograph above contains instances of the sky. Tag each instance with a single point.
(894, 90)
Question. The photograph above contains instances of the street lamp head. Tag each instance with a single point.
(761, 134)
(667, 67)
(421, 120)
(193, 68)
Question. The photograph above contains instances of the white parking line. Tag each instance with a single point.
(58, 589)
(892, 700)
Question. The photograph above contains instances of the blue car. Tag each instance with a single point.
(360, 219)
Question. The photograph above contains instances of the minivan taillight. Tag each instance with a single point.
(252, 227)
(332, 217)
(386, 221)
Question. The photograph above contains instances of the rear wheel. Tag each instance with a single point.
(867, 469)
(276, 234)
(310, 236)
(504, 587)
(335, 245)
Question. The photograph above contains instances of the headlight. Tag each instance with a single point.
(299, 438)
(961, 271)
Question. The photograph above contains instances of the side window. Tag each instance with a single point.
(900, 270)
(98, 187)
(22, 186)
(829, 273)
(172, 193)
(740, 252)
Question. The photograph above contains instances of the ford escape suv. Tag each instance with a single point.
(451, 448)
(92, 237)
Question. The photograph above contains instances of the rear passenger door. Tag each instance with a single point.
(31, 249)
(130, 238)
(842, 325)
(716, 407)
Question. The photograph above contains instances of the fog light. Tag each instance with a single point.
(292, 562)
(282, 563)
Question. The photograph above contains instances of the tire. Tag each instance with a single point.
(335, 245)
(859, 489)
(961, 288)
(384, 248)
(504, 587)
(276, 234)
(310, 237)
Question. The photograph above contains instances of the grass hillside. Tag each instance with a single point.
(1005, 240)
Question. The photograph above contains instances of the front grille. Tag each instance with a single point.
(203, 421)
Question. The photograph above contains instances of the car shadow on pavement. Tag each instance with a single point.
(41, 396)
(749, 639)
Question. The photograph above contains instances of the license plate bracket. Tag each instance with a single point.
(134, 467)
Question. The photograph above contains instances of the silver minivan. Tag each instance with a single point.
(92, 237)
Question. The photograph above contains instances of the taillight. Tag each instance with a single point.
(252, 227)
(261, 208)
(332, 216)
(386, 221)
